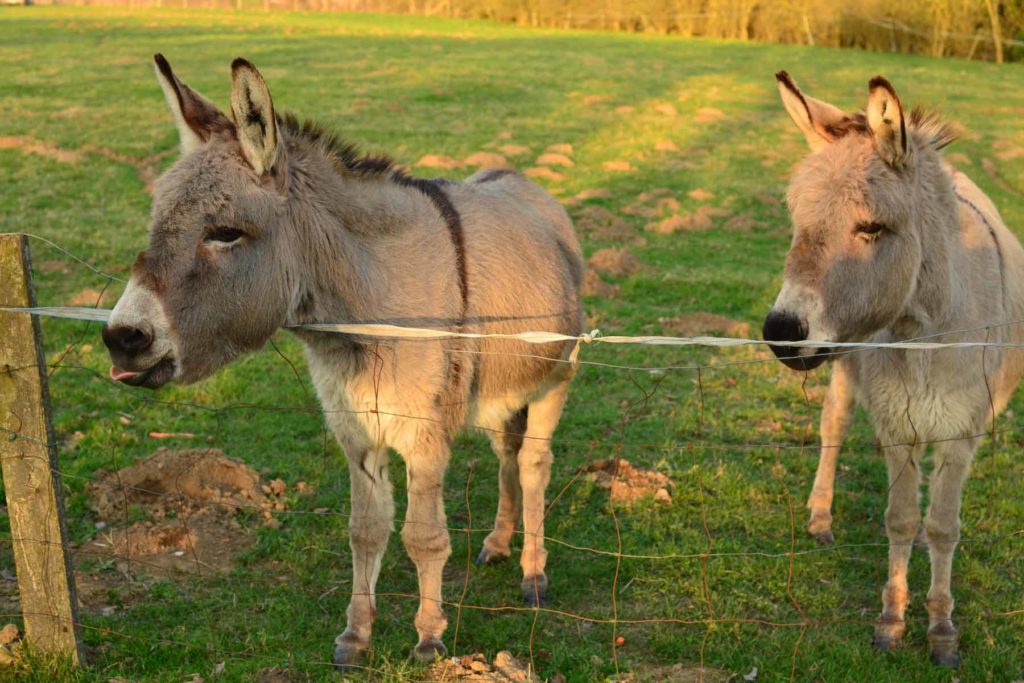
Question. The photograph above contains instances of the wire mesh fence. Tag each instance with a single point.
(674, 514)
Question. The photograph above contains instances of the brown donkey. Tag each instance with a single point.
(890, 243)
(266, 222)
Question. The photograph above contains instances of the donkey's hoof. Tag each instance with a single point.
(945, 642)
(489, 557)
(950, 660)
(888, 634)
(884, 643)
(535, 591)
(824, 537)
(349, 652)
(429, 651)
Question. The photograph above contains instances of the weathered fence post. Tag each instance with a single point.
(29, 459)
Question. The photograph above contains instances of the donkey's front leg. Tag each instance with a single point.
(425, 535)
(370, 523)
(534, 474)
(902, 519)
(836, 415)
(942, 524)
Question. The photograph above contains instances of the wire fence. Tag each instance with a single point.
(152, 523)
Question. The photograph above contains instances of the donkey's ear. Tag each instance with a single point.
(814, 118)
(253, 111)
(196, 117)
(885, 119)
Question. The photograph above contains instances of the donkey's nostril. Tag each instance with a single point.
(784, 327)
(127, 339)
(779, 327)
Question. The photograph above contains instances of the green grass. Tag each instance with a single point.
(408, 86)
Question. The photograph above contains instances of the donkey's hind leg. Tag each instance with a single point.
(370, 523)
(836, 416)
(506, 444)
(534, 474)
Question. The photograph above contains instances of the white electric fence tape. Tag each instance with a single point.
(398, 332)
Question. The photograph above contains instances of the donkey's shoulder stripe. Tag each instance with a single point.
(434, 190)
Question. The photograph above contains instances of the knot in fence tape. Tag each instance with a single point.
(584, 338)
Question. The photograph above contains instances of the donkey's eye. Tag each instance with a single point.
(872, 228)
(224, 235)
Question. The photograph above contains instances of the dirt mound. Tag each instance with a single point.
(487, 160)
(543, 172)
(189, 501)
(504, 669)
(700, 219)
(439, 161)
(601, 225)
(697, 324)
(629, 483)
(554, 159)
(593, 285)
(615, 262)
(618, 165)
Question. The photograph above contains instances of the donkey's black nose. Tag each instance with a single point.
(788, 327)
(126, 339)
(783, 327)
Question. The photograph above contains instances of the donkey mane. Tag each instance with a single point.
(347, 157)
(926, 125)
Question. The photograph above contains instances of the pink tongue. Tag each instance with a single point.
(117, 374)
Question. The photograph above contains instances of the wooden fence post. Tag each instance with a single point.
(29, 459)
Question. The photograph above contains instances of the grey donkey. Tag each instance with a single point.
(266, 222)
(891, 243)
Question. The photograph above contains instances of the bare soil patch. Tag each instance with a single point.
(697, 220)
(514, 150)
(560, 148)
(601, 225)
(554, 159)
(487, 160)
(593, 285)
(666, 146)
(666, 109)
(189, 501)
(629, 483)
(89, 297)
(615, 262)
(617, 165)
(27, 145)
(543, 172)
(439, 161)
(504, 669)
(708, 115)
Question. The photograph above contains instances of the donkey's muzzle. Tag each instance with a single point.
(784, 326)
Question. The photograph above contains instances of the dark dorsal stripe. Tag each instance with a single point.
(494, 174)
(434, 190)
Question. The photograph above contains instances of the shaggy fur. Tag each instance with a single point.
(890, 243)
(267, 222)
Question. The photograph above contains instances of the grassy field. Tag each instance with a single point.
(82, 114)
